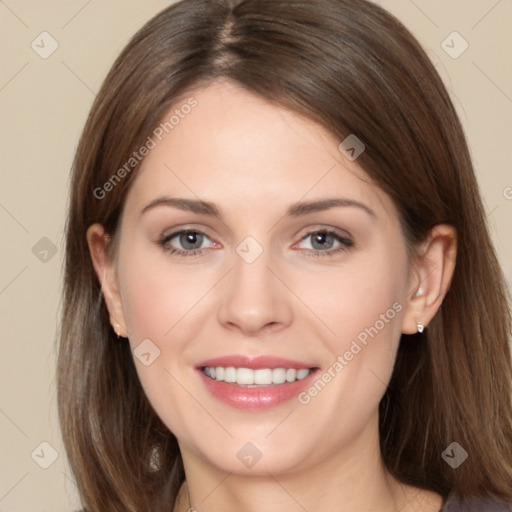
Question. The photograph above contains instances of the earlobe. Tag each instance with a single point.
(430, 278)
(104, 266)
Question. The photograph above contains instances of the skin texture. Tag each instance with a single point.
(253, 160)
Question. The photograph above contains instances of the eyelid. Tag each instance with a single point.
(171, 232)
(174, 234)
(165, 239)
(346, 242)
(342, 233)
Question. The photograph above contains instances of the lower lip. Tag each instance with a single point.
(263, 397)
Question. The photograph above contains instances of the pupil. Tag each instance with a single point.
(191, 239)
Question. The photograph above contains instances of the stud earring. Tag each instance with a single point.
(420, 292)
(117, 329)
(420, 326)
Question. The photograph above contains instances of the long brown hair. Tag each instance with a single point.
(354, 68)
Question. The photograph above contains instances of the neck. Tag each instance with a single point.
(353, 479)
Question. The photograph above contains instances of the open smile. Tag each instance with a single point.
(255, 383)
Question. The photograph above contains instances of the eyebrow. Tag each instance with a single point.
(304, 208)
(188, 205)
(295, 210)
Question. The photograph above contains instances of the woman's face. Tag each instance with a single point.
(294, 267)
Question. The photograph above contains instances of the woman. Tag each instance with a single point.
(280, 291)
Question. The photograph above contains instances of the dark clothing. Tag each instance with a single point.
(452, 504)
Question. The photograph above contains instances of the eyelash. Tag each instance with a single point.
(345, 243)
(164, 241)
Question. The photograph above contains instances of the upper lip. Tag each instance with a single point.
(254, 363)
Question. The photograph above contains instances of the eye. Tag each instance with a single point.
(326, 243)
(190, 242)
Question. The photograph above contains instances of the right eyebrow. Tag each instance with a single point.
(188, 205)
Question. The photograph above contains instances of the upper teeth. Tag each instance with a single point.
(247, 376)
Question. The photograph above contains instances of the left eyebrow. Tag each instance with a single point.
(305, 208)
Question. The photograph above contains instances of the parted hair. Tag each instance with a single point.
(355, 69)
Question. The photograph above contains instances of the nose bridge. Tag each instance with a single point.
(253, 297)
(251, 279)
(251, 270)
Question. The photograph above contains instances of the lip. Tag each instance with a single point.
(240, 361)
(257, 398)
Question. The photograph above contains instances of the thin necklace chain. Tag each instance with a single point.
(190, 507)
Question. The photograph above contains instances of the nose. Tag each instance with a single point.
(254, 301)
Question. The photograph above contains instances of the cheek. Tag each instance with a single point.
(158, 305)
(158, 296)
(161, 303)
(362, 304)
(355, 295)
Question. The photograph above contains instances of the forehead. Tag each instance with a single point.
(235, 148)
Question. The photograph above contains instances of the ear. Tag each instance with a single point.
(430, 277)
(104, 265)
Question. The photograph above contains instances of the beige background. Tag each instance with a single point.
(43, 106)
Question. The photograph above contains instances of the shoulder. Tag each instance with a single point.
(453, 504)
